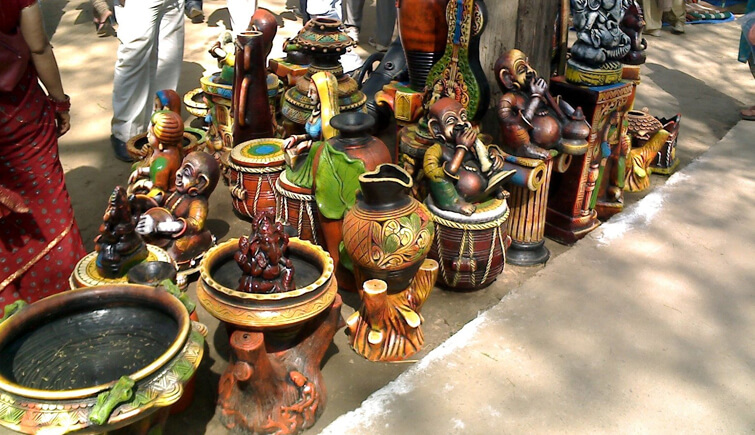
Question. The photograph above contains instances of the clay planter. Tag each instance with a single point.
(388, 233)
(277, 341)
(194, 103)
(423, 29)
(138, 147)
(97, 359)
(253, 170)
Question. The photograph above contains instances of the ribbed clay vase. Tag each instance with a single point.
(388, 233)
(423, 29)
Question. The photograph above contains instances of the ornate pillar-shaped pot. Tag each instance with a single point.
(423, 29)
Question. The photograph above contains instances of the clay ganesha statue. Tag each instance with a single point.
(263, 258)
(460, 169)
(118, 246)
(178, 224)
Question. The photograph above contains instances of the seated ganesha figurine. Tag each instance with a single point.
(178, 225)
(460, 169)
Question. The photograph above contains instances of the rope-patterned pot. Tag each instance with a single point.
(470, 250)
(298, 209)
(253, 170)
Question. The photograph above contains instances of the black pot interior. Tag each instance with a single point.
(227, 272)
(86, 347)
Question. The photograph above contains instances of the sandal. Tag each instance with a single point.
(106, 27)
(747, 114)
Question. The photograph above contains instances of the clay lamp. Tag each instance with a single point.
(96, 359)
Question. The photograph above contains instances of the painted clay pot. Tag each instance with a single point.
(355, 140)
(471, 250)
(253, 170)
(104, 358)
(297, 209)
(423, 29)
(388, 233)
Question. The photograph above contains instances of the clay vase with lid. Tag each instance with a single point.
(387, 233)
(424, 30)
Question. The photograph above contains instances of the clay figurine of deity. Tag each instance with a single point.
(632, 25)
(118, 246)
(599, 36)
(178, 225)
(157, 177)
(534, 124)
(460, 169)
(263, 258)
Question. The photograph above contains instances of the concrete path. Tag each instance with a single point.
(646, 326)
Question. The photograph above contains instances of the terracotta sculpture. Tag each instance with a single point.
(252, 117)
(179, 224)
(263, 258)
(637, 172)
(600, 45)
(157, 177)
(118, 246)
(532, 122)
(167, 99)
(632, 25)
(273, 383)
(424, 40)
(460, 170)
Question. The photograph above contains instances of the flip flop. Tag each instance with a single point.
(747, 114)
(105, 28)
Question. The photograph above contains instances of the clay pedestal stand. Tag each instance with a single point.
(573, 194)
(528, 204)
(109, 358)
(297, 208)
(471, 250)
(273, 382)
(253, 171)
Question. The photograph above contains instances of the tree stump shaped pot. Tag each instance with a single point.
(273, 382)
(97, 359)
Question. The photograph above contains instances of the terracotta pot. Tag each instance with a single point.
(424, 30)
(253, 170)
(113, 355)
(355, 139)
(388, 233)
(252, 118)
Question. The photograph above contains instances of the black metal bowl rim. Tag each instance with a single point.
(104, 295)
(295, 245)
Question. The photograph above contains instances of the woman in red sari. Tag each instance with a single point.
(39, 239)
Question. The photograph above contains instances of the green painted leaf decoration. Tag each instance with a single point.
(336, 181)
(392, 243)
(416, 222)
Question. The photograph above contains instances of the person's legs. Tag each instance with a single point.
(352, 13)
(241, 12)
(652, 17)
(386, 21)
(677, 16)
(138, 31)
(170, 48)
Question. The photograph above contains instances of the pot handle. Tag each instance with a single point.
(12, 309)
(107, 401)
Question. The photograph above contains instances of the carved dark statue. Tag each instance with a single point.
(263, 258)
(532, 121)
(178, 224)
(459, 168)
(118, 246)
(632, 24)
(599, 36)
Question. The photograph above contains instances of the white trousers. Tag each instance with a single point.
(151, 33)
(241, 12)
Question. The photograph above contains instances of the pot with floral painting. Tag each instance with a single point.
(387, 234)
